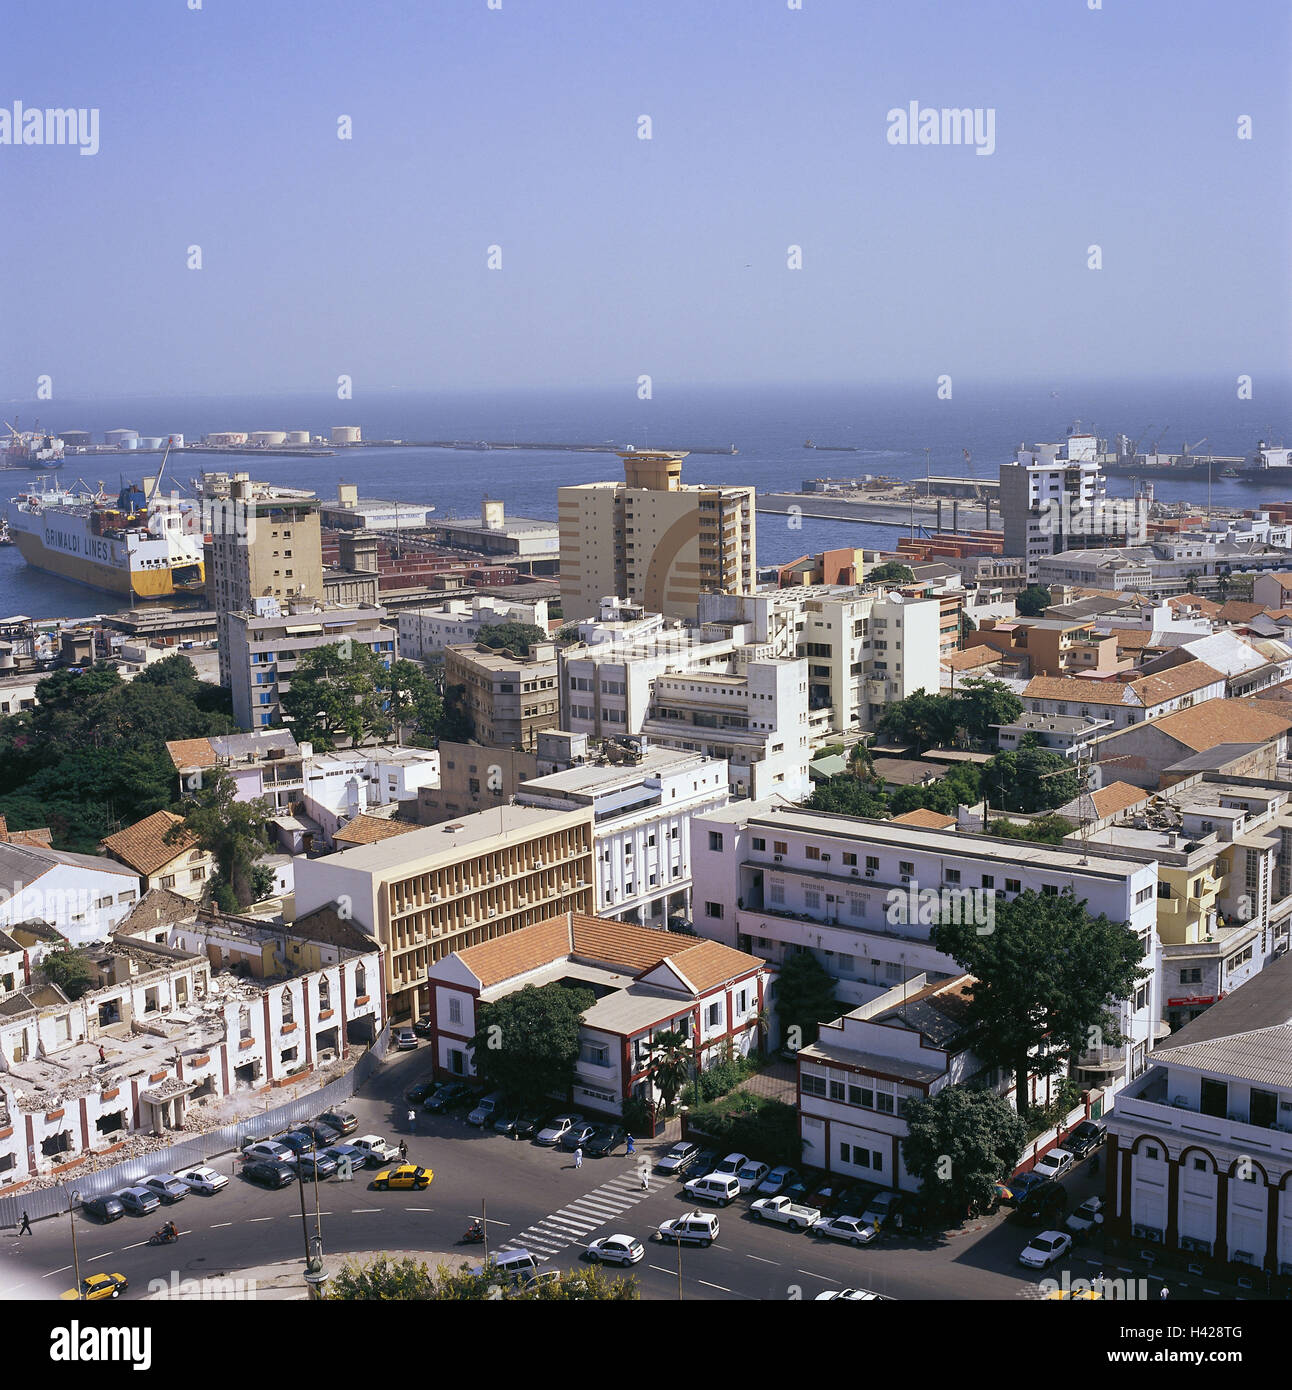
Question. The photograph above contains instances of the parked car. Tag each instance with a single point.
(781, 1176)
(318, 1164)
(1088, 1215)
(448, 1096)
(731, 1165)
(424, 1028)
(268, 1151)
(297, 1141)
(787, 1213)
(1045, 1202)
(1085, 1139)
(420, 1093)
(269, 1173)
(616, 1250)
(98, 1286)
(852, 1296)
(323, 1135)
(880, 1208)
(829, 1194)
(408, 1176)
(204, 1180)
(406, 1040)
(577, 1135)
(167, 1188)
(1041, 1251)
(525, 1125)
(105, 1209)
(555, 1130)
(1015, 1189)
(695, 1228)
(751, 1174)
(138, 1201)
(346, 1154)
(604, 1140)
(486, 1109)
(854, 1229)
(721, 1188)
(379, 1151)
(1054, 1164)
(678, 1159)
(340, 1120)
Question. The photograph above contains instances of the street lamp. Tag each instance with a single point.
(73, 1198)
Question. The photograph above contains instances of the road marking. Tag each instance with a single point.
(812, 1274)
(659, 1269)
(137, 1245)
(720, 1287)
(563, 1230)
(252, 1220)
(104, 1256)
(406, 1209)
(48, 1272)
(762, 1261)
(218, 1224)
(358, 1211)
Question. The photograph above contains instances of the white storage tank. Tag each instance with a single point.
(226, 437)
(150, 441)
(117, 436)
(267, 437)
(131, 441)
(345, 434)
(298, 436)
(176, 441)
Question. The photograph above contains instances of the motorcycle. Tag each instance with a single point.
(162, 1237)
(474, 1235)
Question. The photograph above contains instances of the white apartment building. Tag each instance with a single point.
(342, 785)
(425, 632)
(82, 896)
(265, 645)
(641, 838)
(751, 711)
(1055, 494)
(774, 880)
(1199, 1150)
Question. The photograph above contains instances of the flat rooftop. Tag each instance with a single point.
(512, 526)
(593, 779)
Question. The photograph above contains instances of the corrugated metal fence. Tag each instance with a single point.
(53, 1201)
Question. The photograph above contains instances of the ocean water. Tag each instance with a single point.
(892, 426)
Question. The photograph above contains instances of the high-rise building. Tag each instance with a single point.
(653, 539)
(265, 543)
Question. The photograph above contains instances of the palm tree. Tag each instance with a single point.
(861, 763)
(670, 1064)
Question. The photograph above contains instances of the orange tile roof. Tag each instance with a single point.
(710, 964)
(1117, 796)
(1236, 611)
(1214, 722)
(623, 944)
(1144, 690)
(507, 956)
(925, 819)
(367, 830)
(1206, 606)
(973, 657)
(191, 752)
(1132, 638)
(142, 846)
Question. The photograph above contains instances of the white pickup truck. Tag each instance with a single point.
(786, 1212)
(377, 1149)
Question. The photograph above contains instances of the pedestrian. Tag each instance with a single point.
(1163, 1292)
(645, 1179)
(632, 1148)
(103, 1056)
(403, 1151)
(25, 1228)
(578, 1157)
(412, 1121)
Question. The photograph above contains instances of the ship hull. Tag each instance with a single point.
(110, 579)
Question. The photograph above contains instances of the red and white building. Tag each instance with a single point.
(646, 981)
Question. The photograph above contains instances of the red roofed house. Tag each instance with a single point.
(646, 982)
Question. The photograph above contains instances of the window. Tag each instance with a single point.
(715, 840)
(1191, 977)
(455, 1010)
(836, 1090)
(906, 866)
(1013, 885)
(814, 1085)
(812, 852)
(849, 859)
(780, 847)
(713, 1015)
(953, 875)
(872, 862)
(168, 881)
(811, 897)
(989, 880)
(759, 843)
(776, 892)
(289, 1007)
(713, 910)
(597, 1054)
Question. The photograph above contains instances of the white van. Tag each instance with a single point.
(695, 1228)
(722, 1188)
(511, 1267)
(487, 1111)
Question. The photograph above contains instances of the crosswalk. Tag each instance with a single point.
(575, 1222)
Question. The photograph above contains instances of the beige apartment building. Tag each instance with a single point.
(443, 888)
(265, 543)
(653, 539)
(508, 698)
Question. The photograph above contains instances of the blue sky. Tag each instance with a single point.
(620, 256)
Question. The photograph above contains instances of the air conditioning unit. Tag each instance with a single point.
(825, 858)
(829, 897)
(906, 878)
(778, 857)
(870, 873)
(856, 873)
(493, 912)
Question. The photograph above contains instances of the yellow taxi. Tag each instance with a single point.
(97, 1286)
(405, 1175)
(1074, 1295)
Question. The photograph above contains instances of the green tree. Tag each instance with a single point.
(1046, 830)
(960, 787)
(1032, 601)
(231, 831)
(670, 1064)
(527, 1043)
(387, 1280)
(847, 796)
(1191, 582)
(70, 969)
(960, 1143)
(455, 724)
(1033, 779)
(413, 696)
(921, 719)
(804, 998)
(338, 692)
(517, 638)
(892, 572)
(981, 703)
(1047, 978)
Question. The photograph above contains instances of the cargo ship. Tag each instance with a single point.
(144, 547)
(31, 449)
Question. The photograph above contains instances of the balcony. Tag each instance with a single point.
(1148, 1103)
(747, 922)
